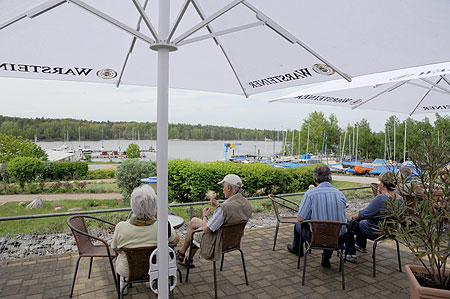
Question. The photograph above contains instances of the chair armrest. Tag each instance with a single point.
(197, 231)
(89, 235)
(101, 220)
(272, 197)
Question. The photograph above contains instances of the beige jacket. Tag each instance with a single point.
(236, 208)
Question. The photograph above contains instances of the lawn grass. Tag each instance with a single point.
(52, 223)
(59, 223)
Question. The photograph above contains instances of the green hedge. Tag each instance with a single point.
(189, 181)
(65, 170)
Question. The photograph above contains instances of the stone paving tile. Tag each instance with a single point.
(271, 274)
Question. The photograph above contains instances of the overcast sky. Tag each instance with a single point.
(102, 102)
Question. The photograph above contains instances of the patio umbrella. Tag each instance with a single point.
(233, 46)
(416, 90)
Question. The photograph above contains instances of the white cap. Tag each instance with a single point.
(232, 179)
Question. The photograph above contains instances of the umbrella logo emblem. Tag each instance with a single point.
(355, 102)
(323, 69)
(107, 74)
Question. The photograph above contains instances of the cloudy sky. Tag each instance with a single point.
(101, 102)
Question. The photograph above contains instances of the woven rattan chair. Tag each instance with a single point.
(325, 235)
(231, 240)
(386, 235)
(138, 266)
(85, 245)
(374, 187)
(283, 202)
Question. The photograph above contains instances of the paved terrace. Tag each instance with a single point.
(271, 274)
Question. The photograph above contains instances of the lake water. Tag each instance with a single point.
(204, 151)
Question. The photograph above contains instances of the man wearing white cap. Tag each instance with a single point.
(236, 208)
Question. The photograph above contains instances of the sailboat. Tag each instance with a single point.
(79, 140)
(102, 149)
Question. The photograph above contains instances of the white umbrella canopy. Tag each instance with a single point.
(425, 90)
(232, 46)
(356, 37)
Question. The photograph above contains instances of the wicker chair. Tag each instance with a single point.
(85, 246)
(282, 219)
(325, 235)
(138, 266)
(386, 235)
(231, 240)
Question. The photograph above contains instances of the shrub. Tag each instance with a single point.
(133, 151)
(25, 169)
(81, 185)
(130, 172)
(100, 174)
(422, 228)
(65, 170)
(4, 176)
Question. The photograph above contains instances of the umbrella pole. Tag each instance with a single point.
(162, 154)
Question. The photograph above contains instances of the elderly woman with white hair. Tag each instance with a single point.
(142, 228)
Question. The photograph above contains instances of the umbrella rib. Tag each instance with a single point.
(133, 42)
(437, 86)
(34, 12)
(218, 33)
(445, 79)
(423, 98)
(44, 7)
(111, 20)
(12, 21)
(206, 21)
(144, 16)
(444, 90)
(178, 19)
(291, 38)
(210, 29)
(395, 86)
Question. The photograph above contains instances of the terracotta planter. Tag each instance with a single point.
(419, 292)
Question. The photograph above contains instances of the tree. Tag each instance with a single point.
(11, 147)
(133, 151)
(25, 169)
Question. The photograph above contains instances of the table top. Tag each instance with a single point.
(175, 221)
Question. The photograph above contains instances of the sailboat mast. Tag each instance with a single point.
(307, 142)
(299, 148)
(292, 143)
(404, 145)
(394, 139)
(357, 139)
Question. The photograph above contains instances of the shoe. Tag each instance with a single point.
(184, 263)
(361, 249)
(122, 284)
(325, 262)
(351, 258)
(180, 256)
(292, 249)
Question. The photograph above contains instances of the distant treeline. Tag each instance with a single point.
(46, 129)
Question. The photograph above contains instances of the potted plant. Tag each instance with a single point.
(422, 224)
